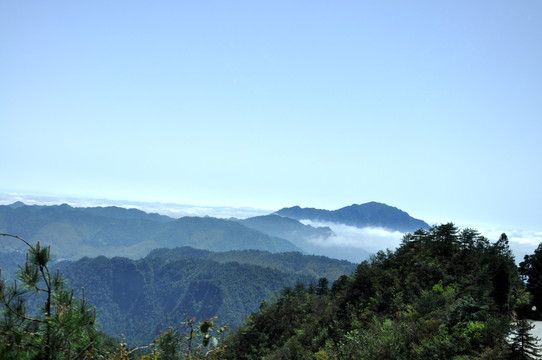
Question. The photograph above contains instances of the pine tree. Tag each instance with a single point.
(524, 345)
(63, 327)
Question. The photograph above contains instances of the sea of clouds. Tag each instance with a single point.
(370, 239)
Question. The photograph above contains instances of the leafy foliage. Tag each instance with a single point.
(443, 294)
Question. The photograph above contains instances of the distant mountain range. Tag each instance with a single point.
(371, 214)
(113, 231)
(75, 232)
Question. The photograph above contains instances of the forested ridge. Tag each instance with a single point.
(138, 298)
(444, 293)
(287, 262)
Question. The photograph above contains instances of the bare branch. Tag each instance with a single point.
(18, 238)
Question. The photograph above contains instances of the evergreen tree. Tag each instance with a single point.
(63, 327)
(323, 286)
(524, 345)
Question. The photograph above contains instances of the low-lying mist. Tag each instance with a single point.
(352, 243)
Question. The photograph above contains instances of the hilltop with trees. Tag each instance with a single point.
(443, 294)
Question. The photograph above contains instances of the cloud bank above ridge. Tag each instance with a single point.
(371, 239)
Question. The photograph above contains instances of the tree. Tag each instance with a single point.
(323, 286)
(523, 344)
(531, 269)
(445, 236)
(63, 327)
(504, 270)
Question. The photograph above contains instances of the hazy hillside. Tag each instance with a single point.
(290, 262)
(312, 240)
(303, 236)
(140, 298)
(9, 261)
(115, 231)
(112, 231)
(371, 214)
(285, 228)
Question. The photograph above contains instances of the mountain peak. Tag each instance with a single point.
(17, 204)
(371, 214)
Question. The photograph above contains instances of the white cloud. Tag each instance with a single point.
(370, 239)
(524, 243)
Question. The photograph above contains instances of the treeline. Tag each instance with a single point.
(444, 293)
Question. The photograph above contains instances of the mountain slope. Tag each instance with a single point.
(302, 236)
(285, 228)
(312, 240)
(139, 298)
(370, 214)
(290, 262)
(78, 232)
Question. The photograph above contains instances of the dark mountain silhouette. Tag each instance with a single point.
(372, 214)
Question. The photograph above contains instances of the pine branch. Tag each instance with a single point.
(19, 238)
(21, 315)
(82, 353)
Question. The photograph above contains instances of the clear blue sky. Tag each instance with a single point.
(434, 107)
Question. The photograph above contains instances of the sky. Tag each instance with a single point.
(431, 107)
